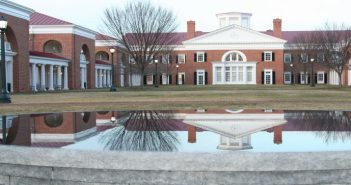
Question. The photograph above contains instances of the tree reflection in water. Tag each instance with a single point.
(332, 125)
(142, 131)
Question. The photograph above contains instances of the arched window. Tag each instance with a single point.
(234, 56)
(53, 120)
(101, 55)
(52, 46)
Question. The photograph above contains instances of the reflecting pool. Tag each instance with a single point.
(182, 131)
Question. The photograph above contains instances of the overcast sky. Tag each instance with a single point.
(296, 14)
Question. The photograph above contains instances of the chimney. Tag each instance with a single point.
(277, 28)
(278, 137)
(191, 134)
(190, 29)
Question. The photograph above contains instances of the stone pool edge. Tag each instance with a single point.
(22, 165)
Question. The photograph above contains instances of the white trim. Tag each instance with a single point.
(104, 43)
(265, 57)
(62, 29)
(198, 54)
(232, 65)
(271, 76)
(231, 46)
(183, 55)
(274, 39)
(203, 75)
(16, 10)
(48, 61)
(234, 51)
(288, 55)
(287, 73)
(322, 73)
(102, 66)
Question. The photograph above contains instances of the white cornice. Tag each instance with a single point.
(16, 10)
(218, 31)
(47, 61)
(232, 46)
(62, 29)
(106, 43)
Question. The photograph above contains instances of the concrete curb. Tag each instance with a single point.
(21, 165)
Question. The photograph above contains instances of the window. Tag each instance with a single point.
(303, 77)
(149, 79)
(165, 59)
(227, 74)
(320, 77)
(249, 74)
(200, 56)
(241, 74)
(303, 58)
(268, 77)
(52, 46)
(200, 77)
(234, 72)
(131, 60)
(181, 58)
(219, 74)
(234, 57)
(149, 58)
(101, 55)
(287, 77)
(287, 57)
(320, 57)
(165, 79)
(267, 56)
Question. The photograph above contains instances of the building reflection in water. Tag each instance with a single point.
(331, 125)
(142, 131)
(49, 130)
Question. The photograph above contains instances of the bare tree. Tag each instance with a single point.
(143, 29)
(335, 42)
(305, 44)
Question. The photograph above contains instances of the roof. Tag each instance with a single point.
(100, 36)
(41, 19)
(178, 37)
(101, 62)
(46, 55)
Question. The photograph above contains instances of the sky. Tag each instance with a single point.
(296, 14)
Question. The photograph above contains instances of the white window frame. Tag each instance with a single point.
(302, 56)
(181, 56)
(131, 60)
(271, 76)
(320, 81)
(165, 79)
(303, 80)
(286, 81)
(198, 56)
(287, 55)
(165, 59)
(180, 78)
(147, 79)
(265, 58)
(198, 75)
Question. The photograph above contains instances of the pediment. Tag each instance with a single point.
(234, 34)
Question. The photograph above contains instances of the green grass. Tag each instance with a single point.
(184, 97)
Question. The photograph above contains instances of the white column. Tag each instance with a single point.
(104, 75)
(86, 75)
(34, 78)
(42, 77)
(96, 78)
(65, 78)
(82, 78)
(100, 78)
(105, 78)
(59, 77)
(109, 78)
(51, 76)
(245, 74)
(9, 74)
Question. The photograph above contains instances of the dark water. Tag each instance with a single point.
(182, 131)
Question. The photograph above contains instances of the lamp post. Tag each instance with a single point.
(177, 66)
(293, 75)
(312, 75)
(113, 118)
(113, 86)
(5, 97)
(156, 84)
(4, 130)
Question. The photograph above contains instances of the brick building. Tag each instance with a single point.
(44, 53)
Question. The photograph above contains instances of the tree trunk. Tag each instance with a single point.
(340, 78)
(141, 78)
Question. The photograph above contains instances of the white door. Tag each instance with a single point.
(200, 77)
(268, 77)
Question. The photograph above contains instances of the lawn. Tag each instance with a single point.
(185, 97)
